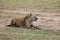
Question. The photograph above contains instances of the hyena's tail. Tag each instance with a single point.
(9, 25)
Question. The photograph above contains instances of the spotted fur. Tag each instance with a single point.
(25, 21)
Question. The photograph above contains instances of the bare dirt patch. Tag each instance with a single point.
(47, 20)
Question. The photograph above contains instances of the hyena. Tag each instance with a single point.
(25, 21)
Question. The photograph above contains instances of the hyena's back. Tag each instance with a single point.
(17, 21)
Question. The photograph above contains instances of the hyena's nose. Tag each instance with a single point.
(36, 18)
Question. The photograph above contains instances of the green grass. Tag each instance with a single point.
(27, 34)
(31, 3)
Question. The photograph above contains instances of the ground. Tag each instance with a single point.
(47, 20)
(47, 11)
(8, 33)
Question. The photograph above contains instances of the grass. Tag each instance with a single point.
(27, 34)
(31, 3)
(12, 33)
(10, 15)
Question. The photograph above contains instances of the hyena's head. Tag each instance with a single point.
(33, 17)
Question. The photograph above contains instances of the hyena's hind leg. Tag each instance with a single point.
(12, 23)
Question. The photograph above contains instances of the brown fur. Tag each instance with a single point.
(22, 21)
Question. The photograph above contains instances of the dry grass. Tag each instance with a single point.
(44, 4)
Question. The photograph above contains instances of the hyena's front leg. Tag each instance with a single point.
(34, 27)
(27, 25)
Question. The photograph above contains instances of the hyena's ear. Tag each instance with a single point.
(30, 14)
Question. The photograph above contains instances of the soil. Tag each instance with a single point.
(47, 20)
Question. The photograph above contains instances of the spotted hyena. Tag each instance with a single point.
(25, 21)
